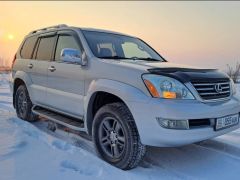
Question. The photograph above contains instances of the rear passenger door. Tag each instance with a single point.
(65, 85)
(26, 62)
(42, 56)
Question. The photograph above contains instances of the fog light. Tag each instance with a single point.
(173, 124)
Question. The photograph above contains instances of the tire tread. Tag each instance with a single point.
(138, 151)
(29, 115)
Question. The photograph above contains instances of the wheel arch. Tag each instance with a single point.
(108, 91)
(17, 82)
(20, 78)
(98, 100)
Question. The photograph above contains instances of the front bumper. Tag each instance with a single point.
(151, 133)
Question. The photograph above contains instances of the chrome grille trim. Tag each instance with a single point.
(214, 93)
(208, 84)
(208, 92)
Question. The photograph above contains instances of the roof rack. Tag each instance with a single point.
(48, 28)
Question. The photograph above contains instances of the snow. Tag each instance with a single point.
(31, 151)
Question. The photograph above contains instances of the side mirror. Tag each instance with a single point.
(73, 56)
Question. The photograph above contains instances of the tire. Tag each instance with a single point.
(116, 137)
(23, 104)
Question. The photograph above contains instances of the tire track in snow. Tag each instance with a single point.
(220, 147)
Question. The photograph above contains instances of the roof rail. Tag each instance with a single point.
(50, 27)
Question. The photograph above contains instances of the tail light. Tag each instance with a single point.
(14, 59)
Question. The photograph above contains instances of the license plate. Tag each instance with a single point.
(227, 121)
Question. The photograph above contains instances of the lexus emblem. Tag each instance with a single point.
(218, 88)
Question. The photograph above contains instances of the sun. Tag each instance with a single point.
(10, 37)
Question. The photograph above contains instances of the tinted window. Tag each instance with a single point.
(65, 41)
(28, 47)
(45, 48)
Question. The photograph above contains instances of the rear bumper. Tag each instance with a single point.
(151, 133)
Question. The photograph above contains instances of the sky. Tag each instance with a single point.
(205, 34)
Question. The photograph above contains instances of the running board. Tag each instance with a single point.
(68, 121)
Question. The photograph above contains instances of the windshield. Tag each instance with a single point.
(114, 46)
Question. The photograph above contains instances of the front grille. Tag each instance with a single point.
(213, 90)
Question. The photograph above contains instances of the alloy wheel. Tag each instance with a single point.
(111, 137)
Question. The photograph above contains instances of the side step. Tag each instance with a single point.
(70, 122)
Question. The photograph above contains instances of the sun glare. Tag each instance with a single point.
(10, 37)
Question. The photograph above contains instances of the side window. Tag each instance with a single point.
(131, 49)
(65, 41)
(28, 46)
(45, 48)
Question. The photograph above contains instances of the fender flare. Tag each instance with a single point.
(25, 78)
(125, 92)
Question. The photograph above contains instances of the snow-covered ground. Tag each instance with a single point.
(31, 152)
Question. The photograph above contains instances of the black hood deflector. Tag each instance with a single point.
(191, 75)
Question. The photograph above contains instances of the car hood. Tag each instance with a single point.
(183, 73)
(160, 65)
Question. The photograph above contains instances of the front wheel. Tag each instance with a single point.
(23, 104)
(116, 137)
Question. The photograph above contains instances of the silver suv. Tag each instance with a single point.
(120, 91)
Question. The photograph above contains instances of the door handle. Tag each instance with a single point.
(30, 66)
(52, 68)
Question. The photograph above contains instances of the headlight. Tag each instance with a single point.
(233, 87)
(166, 87)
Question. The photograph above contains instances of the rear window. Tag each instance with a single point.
(45, 48)
(28, 46)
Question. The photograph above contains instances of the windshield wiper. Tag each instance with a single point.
(147, 59)
(133, 58)
(113, 57)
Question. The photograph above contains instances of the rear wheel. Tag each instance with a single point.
(23, 104)
(116, 137)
